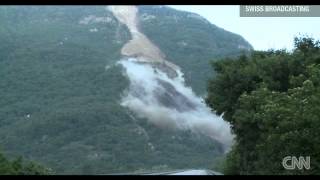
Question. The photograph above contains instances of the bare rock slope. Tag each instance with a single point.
(140, 47)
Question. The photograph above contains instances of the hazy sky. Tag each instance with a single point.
(261, 32)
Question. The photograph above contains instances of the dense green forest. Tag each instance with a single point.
(271, 99)
(61, 88)
(19, 166)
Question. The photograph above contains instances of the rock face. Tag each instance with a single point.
(140, 47)
(171, 98)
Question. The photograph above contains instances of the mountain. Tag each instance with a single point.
(62, 88)
(190, 41)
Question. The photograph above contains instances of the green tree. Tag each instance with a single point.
(20, 167)
(272, 101)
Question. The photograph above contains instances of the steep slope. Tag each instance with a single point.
(189, 41)
(159, 96)
(140, 47)
(61, 90)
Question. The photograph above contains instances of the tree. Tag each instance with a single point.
(272, 101)
(20, 167)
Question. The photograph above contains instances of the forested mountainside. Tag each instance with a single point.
(61, 88)
(190, 41)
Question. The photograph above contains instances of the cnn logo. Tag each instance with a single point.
(292, 162)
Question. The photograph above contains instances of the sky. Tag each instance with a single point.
(262, 33)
